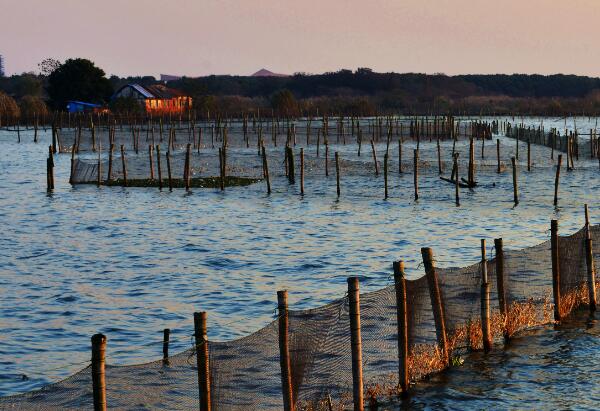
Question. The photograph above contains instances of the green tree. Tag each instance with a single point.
(78, 79)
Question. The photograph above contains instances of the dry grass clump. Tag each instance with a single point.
(575, 298)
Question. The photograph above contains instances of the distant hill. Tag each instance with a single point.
(266, 73)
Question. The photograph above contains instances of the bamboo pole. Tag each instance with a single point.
(284, 351)
(402, 322)
(98, 372)
(356, 342)
(485, 302)
(555, 269)
(202, 361)
(436, 303)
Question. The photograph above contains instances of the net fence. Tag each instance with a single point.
(245, 373)
(151, 163)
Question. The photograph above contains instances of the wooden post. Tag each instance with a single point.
(326, 159)
(485, 302)
(375, 158)
(356, 342)
(439, 155)
(50, 169)
(436, 302)
(98, 375)
(416, 172)
(72, 174)
(498, 154)
(498, 244)
(400, 156)
(166, 337)
(515, 183)
(124, 164)
(402, 321)
(385, 174)
(187, 172)
(555, 269)
(337, 172)
(291, 165)
(221, 176)
(202, 361)
(456, 182)
(266, 170)
(284, 351)
(150, 150)
(302, 171)
(589, 259)
(529, 154)
(110, 161)
(557, 180)
(158, 168)
(169, 176)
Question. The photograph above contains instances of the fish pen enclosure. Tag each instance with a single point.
(359, 350)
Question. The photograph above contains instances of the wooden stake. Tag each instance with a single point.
(124, 164)
(166, 336)
(485, 302)
(302, 171)
(375, 158)
(187, 171)
(529, 154)
(169, 176)
(385, 174)
(266, 170)
(202, 361)
(555, 269)
(436, 302)
(400, 156)
(515, 183)
(337, 172)
(150, 150)
(356, 342)
(456, 181)
(498, 154)
(98, 372)
(284, 351)
(158, 168)
(557, 180)
(589, 260)
(500, 281)
(416, 172)
(402, 321)
(439, 155)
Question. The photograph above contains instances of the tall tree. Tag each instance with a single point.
(78, 79)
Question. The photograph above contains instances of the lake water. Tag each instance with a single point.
(131, 262)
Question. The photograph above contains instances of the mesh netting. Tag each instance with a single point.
(245, 373)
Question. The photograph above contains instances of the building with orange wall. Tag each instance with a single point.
(156, 99)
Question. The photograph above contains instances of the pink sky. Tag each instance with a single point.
(200, 37)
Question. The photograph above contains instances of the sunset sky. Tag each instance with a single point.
(200, 37)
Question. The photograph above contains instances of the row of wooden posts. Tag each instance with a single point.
(403, 325)
(290, 168)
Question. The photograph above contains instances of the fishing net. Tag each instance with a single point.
(245, 373)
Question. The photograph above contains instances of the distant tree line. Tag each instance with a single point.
(359, 92)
